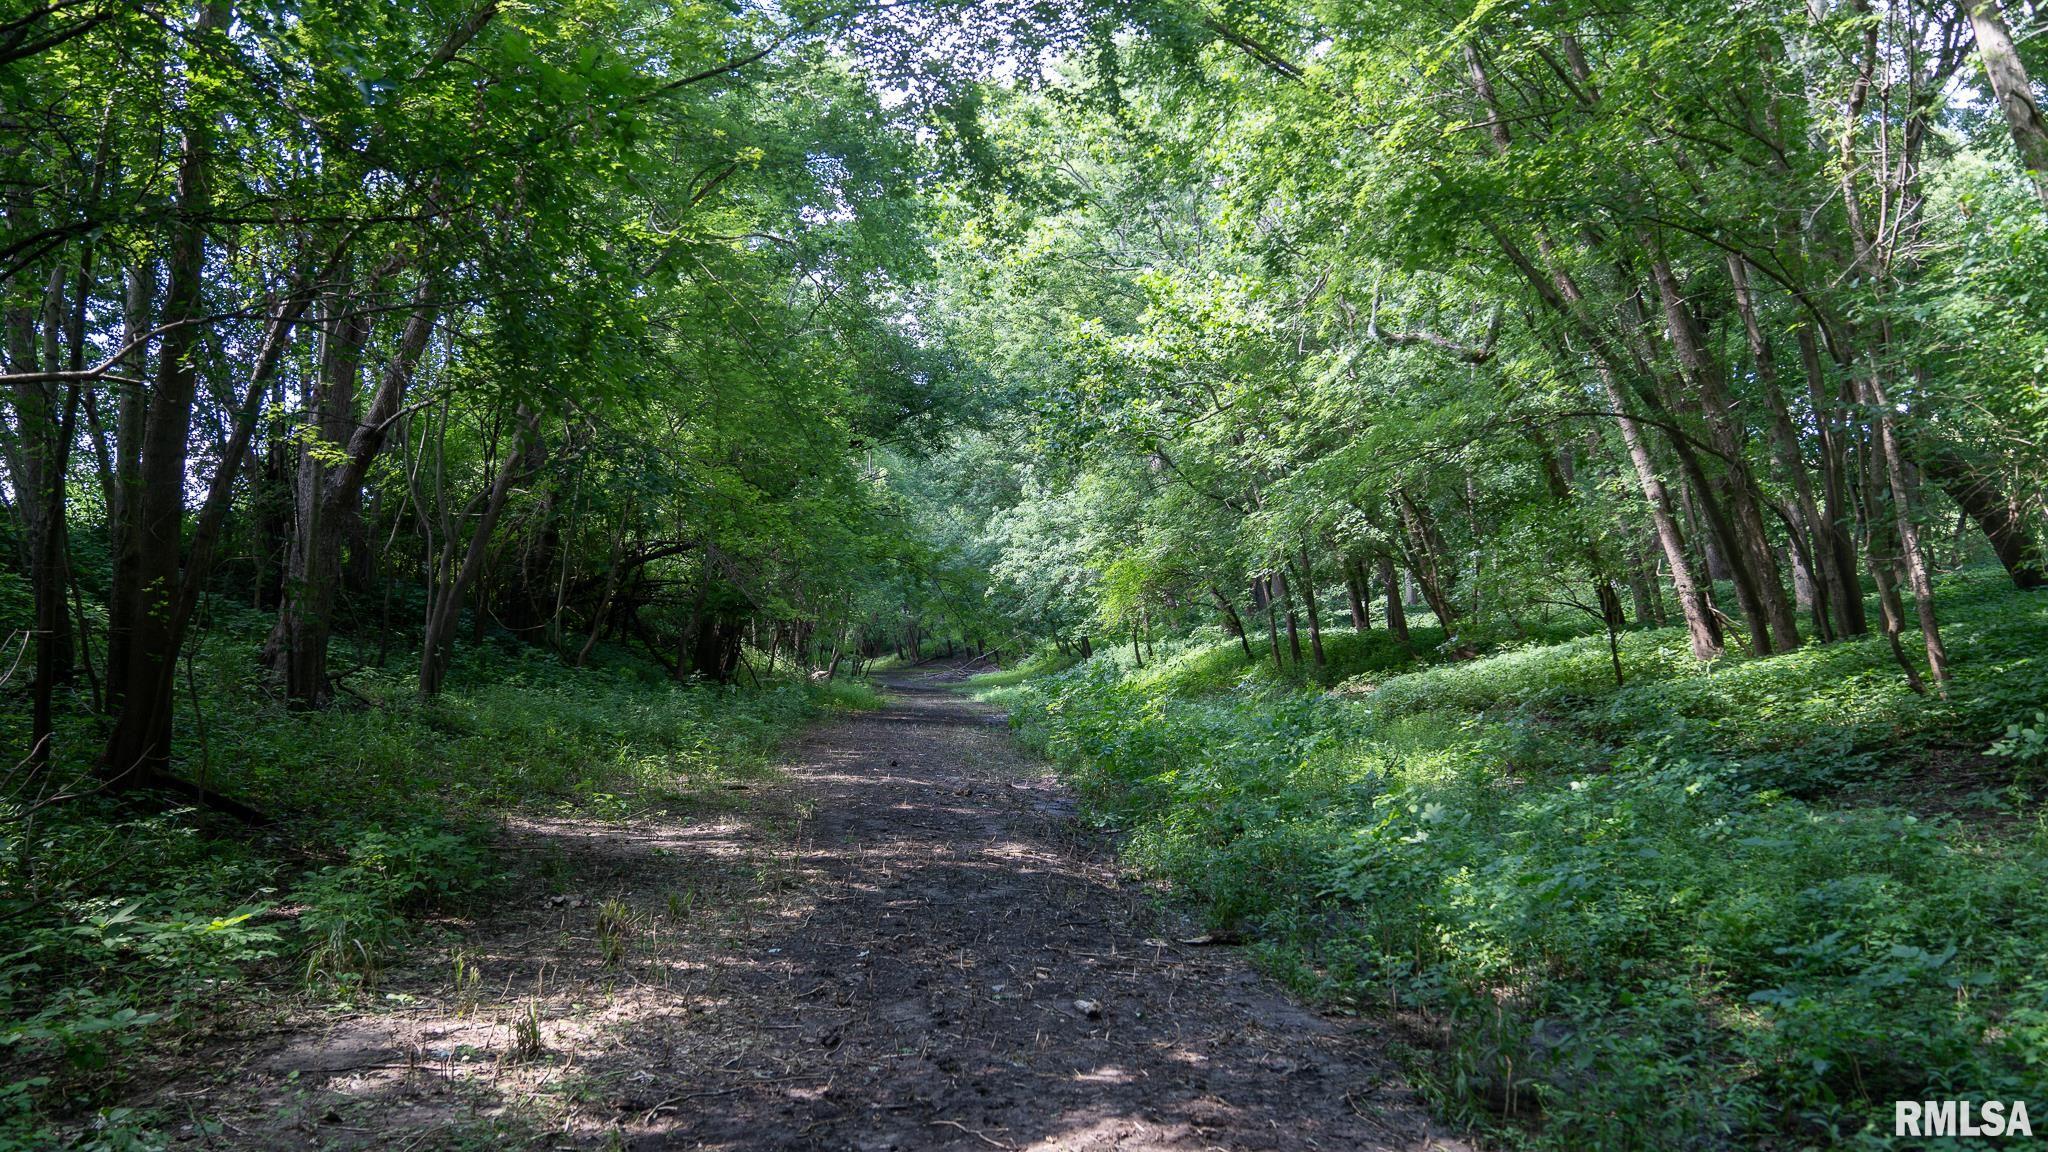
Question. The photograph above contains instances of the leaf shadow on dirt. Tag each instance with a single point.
(910, 944)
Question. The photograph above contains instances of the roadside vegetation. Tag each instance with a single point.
(136, 934)
(1732, 905)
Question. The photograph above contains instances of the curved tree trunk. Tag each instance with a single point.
(1562, 295)
(1829, 581)
(1767, 611)
(1832, 530)
(1996, 515)
(1360, 601)
(1424, 548)
(329, 497)
(1232, 622)
(1915, 557)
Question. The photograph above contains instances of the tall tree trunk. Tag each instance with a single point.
(1772, 622)
(1832, 530)
(140, 744)
(1285, 596)
(1643, 593)
(2013, 89)
(611, 587)
(54, 558)
(273, 515)
(1705, 497)
(1424, 548)
(1915, 557)
(1806, 591)
(51, 571)
(1272, 625)
(1562, 295)
(298, 641)
(1308, 598)
(52, 574)
(1829, 581)
(329, 495)
(34, 455)
(1711, 555)
(1355, 592)
(1397, 616)
(1880, 548)
(1702, 627)
(138, 289)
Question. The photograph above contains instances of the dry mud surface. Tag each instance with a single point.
(906, 941)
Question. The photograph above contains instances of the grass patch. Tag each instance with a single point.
(1037, 664)
(852, 695)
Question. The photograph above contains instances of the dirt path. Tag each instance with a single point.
(909, 945)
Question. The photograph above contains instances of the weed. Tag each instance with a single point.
(853, 695)
(527, 1044)
(681, 903)
(616, 923)
(553, 867)
(2026, 746)
(355, 913)
(468, 981)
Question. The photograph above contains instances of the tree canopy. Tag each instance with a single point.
(829, 328)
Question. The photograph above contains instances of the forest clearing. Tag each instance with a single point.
(1035, 574)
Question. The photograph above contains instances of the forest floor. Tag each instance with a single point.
(905, 939)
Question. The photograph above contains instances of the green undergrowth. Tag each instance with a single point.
(1030, 667)
(852, 695)
(1730, 906)
(131, 929)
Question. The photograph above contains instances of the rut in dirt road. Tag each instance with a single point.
(971, 974)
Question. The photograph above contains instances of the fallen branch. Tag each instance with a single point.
(984, 1137)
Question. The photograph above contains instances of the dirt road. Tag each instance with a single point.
(905, 942)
